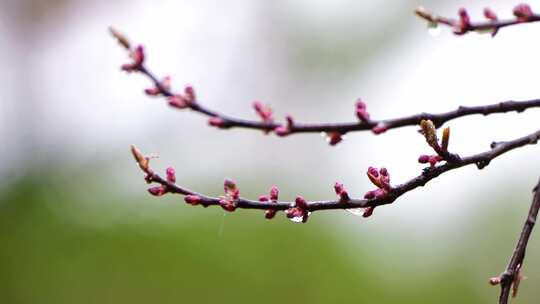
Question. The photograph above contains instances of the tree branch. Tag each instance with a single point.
(512, 276)
(334, 130)
(463, 25)
(481, 160)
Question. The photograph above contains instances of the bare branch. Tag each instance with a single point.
(388, 196)
(463, 25)
(512, 276)
(188, 100)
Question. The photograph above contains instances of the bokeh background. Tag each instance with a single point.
(76, 222)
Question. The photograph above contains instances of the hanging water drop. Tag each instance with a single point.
(356, 211)
(299, 219)
(434, 29)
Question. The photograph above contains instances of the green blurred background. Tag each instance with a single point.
(77, 226)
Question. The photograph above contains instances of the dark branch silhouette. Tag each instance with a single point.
(512, 276)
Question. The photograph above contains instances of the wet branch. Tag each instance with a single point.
(463, 25)
(188, 100)
(512, 276)
(481, 160)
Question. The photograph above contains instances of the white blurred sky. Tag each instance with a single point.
(64, 98)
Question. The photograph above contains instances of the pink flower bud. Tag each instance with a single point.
(157, 190)
(227, 205)
(423, 159)
(217, 122)
(138, 59)
(274, 193)
(334, 138)
(383, 171)
(464, 16)
(338, 187)
(433, 160)
(301, 203)
(257, 106)
(152, 91)
(190, 94)
(362, 115)
(379, 129)
(340, 190)
(171, 176)
(360, 104)
(177, 101)
(264, 198)
(265, 113)
(375, 194)
(270, 214)
(490, 14)
(282, 131)
(373, 171)
(229, 185)
(235, 194)
(370, 194)
(523, 12)
(368, 212)
(464, 22)
(193, 199)
(361, 111)
(138, 55)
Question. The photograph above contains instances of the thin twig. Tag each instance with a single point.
(438, 119)
(512, 276)
(463, 25)
(481, 160)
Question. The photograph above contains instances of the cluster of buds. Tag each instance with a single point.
(341, 192)
(300, 212)
(430, 133)
(182, 101)
(136, 54)
(264, 112)
(361, 111)
(137, 57)
(232, 194)
(272, 197)
(463, 25)
(163, 189)
(381, 179)
(286, 129)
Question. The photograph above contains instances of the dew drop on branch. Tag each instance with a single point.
(299, 219)
(356, 211)
(434, 29)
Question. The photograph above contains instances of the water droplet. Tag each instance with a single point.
(299, 219)
(356, 211)
(434, 29)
